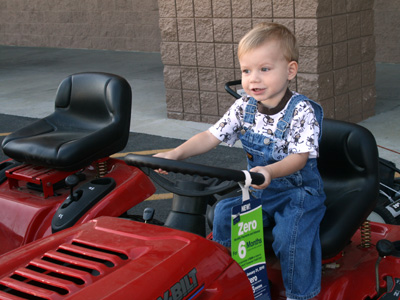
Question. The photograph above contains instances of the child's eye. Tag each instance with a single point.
(265, 69)
(245, 71)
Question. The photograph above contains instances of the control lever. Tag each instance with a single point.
(148, 214)
(384, 248)
(72, 181)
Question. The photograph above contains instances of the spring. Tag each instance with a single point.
(365, 234)
(101, 168)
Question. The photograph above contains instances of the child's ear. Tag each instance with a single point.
(292, 69)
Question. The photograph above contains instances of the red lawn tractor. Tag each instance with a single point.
(61, 199)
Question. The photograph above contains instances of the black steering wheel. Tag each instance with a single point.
(230, 177)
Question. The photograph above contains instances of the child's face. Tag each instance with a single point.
(266, 73)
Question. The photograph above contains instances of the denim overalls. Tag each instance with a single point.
(295, 204)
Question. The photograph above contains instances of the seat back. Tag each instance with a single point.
(348, 164)
(91, 120)
(92, 100)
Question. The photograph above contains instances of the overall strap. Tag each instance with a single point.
(284, 123)
(250, 112)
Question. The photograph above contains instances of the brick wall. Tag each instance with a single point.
(387, 24)
(199, 42)
(91, 24)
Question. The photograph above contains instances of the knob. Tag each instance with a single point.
(71, 181)
(385, 248)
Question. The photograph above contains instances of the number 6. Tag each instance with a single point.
(242, 249)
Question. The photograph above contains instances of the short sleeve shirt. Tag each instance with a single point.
(302, 136)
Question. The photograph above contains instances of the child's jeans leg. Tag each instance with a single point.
(295, 233)
(222, 220)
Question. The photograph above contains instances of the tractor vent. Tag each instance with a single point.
(58, 274)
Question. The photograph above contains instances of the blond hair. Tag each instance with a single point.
(265, 32)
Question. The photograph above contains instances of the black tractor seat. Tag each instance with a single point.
(348, 164)
(91, 120)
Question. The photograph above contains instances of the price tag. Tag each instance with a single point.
(248, 245)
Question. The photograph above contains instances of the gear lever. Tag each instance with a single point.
(71, 181)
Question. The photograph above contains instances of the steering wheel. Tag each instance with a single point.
(230, 177)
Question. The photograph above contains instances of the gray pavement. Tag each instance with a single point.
(29, 78)
(385, 125)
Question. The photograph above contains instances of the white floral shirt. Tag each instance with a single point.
(302, 136)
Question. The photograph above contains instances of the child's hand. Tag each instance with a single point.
(267, 175)
(198, 144)
(166, 155)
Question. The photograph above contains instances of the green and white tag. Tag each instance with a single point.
(248, 245)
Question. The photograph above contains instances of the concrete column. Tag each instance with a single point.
(337, 50)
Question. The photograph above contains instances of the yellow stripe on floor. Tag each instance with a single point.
(5, 134)
(145, 152)
(160, 197)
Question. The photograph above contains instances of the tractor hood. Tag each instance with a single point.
(110, 258)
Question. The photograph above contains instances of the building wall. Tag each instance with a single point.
(337, 49)
(387, 24)
(90, 24)
(199, 39)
